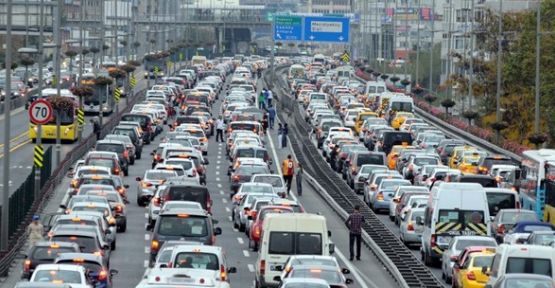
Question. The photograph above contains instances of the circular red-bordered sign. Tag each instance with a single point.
(40, 111)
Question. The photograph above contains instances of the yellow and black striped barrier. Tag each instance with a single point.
(38, 156)
(81, 116)
(117, 94)
(132, 80)
(156, 70)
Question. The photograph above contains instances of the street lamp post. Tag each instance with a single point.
(499, 51)
(58, 37)
(538, 83)
(431, 75)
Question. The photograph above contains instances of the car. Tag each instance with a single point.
(150, 182)
(44, 252)
(182, 224)
(106, 159)
(244, 173)
(399, 192)
(239, 212)
(332, 275)
(88, 241)
(522, 280)
(119, 148)
(385, 193)
(362, 176)
(274, 179)
(73, 275)
(117, 204)
(78, 172)
(410, 228)
(472, 272)
(172, 278)
(134, 151)
(90, 218)
(185, 189)
(188, 165)
(41, 285)
(295, 260)
(202, 257)
(507, 218)
(522, 229)
(303, 282)
(98, 272)
(456, 246)
(544, 238)
(258, 220)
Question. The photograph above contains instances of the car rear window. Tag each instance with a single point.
(498, 201)
(185, 226)
(376, 159)
(87, 244)
(529, 266)
(142, 119)
(49, 253)
(58, 276)
(117, 148)
(197, 260)
(273, 180)
(188, 193)
(295, 243)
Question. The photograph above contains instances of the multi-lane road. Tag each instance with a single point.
(130, 258)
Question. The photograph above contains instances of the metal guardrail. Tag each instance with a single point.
(394, 255)
(455, 132)
(17, 241)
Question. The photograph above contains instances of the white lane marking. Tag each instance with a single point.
(217, 172)
(219, 156)
(146, 215)
(234, 229)
(230, 220)
(251, 268)
(218, 162)
(147, 250)
(218, 167)
(246, 253)
(227, 210)
(224, 200)
(219, 185)
(355, 272)
(240, 240)
(222, 192)
(218, 179)
(145, 264)
(147, 237)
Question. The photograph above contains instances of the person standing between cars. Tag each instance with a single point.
(288, 170)
(35, 230)
(299, 179)
(280, 135)
(270, 97)
(261, 100)
(354, 223)
(271, 116)
(220, 126)
(96, 128)
(265, 123)
(284, 134)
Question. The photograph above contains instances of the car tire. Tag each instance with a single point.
(123, 227)
(113, 245)
(391, 218)
(241, 227)
(132, 161)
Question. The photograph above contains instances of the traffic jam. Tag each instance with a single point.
(470, 214)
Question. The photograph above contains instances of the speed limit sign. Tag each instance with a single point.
(40, 111)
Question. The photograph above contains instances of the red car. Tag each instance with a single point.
(256, 228)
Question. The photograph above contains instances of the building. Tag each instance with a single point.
(330, 6)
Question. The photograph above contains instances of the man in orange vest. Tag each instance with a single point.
(288, 170)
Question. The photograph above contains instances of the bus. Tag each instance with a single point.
(533, 176)
(69, 127)
(91, 105)
(199, 60)
(549, 210)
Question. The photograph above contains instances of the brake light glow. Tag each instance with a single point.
(223, 273)
(119, 209)
(27, 265)
(470, 276)
(379, 197)
(501, 229)
(154, 245)
(235, 178)
(410, 227)
(262, 267)
(103, 275)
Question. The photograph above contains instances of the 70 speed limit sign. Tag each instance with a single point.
(40, 111)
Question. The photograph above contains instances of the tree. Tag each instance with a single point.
(470, 115)
(447, 103)
(71, 54)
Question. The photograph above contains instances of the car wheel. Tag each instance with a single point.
(241, 227)
(113, 245)
(132, 161)
(391, 218)
(124, 227)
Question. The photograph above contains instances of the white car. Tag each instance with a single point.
(173, 278)
(187, 164)
(74, 275)
(304, 282)
(397, 196)
(274, 179)
(154, 206)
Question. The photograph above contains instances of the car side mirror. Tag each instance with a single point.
(217, 231)
(163, 265)
(345, 271)
(348, 281)
(331, 248)
(138, 179)
(232, 270)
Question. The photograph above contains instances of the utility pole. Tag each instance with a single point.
(499, 51)
(272, 57)
(472, 47)
(57, 63)
(417, 72)
(431, 75)
(4, 231)
(449, 48)
(102, 39)
(41, 62)
(81, 62)
(538, 83)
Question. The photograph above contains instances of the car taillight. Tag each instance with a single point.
(74, 183)
(236, 178)
(103, 275)
(119, 209)
(121, 191)
(157, 157)
(433, 240)
(470, 276)
(411, 167)
(27, 265)
(223, 273)
(146, 184)
(156, 201)
(262, 267)
(257, 231)
(410, 227)
(154, 245)
(204, 140)
(116, 171)
(99, 253)
(379, 197)
(501, 229)
(454, 258)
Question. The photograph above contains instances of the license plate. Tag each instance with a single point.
(180, 280)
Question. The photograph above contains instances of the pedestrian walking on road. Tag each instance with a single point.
(280, 135)
(265, 123)
(96, 128)
(261, 100)
(220, 126)
(270, 97)
(284, 134)
(271, 116)
(354, 223)
(299, 179)
(288, 170)
(35, 231)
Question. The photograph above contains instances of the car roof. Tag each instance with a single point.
(84, 256)
(180, 210)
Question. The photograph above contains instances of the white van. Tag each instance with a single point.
(289, 234)
(527, 259)
(375, 87)
(401, 103)
(501, 198)
(453, 209)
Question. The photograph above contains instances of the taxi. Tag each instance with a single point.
(457, 153)
(361, 117)
(470, 273)
(201, 257)
(470, 162)
(394, 155)
(400, 118)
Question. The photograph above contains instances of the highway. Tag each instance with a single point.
(21, 147)
(130, 258)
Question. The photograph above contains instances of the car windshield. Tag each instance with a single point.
(389, 185)
(99, 181)
(58, 276)
(541, 266)
(517, 216)
(265, 212)
(188, 193)
(532, 228)
(273, 180)
(482, 261)
(50, 252)
(91, 208)
(108, 163)
(252, 169)
(426, 161)
(250, 153)
(111, 197)
(183, 225)
(117, 148)
(264, 189)
(498, 201)
(89, 266)
(295, 243)
(376, 159)
(185, 164)
(544, 239)
(92, 172)
(527, 283)
(331, 276)
(197, 260)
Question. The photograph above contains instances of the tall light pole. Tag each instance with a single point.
(417, 72)
(81, 62)
(471, 65)
(57, 63)
(4, 231)
(499, 51)
(538, 83)
(431, 71)
(41, 64)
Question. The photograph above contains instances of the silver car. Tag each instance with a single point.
(412, 226)
(457, 245)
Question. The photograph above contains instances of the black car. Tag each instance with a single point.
(87, 241)
(392, 138)
(146, 124)
(183, 190)
(117, 147)
(44, 252)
